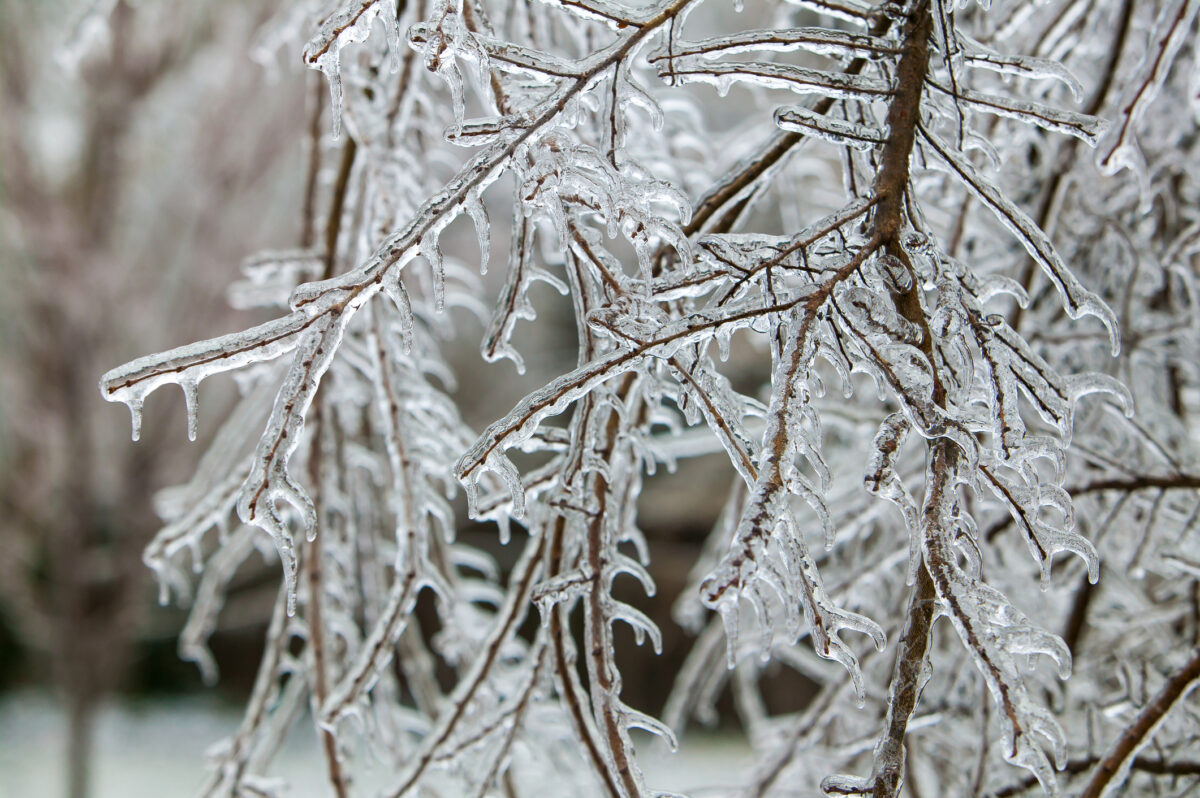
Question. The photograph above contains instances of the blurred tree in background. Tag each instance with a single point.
(121, 178)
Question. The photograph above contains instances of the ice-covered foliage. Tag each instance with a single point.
(978, 350)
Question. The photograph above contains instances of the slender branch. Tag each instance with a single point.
(890, 184)
(779, 145)
(313, 564)
(1057, 182)
(347, 293)
(597, 630)
(308, 211)
(333, 223)
(905, 689)
(510, 617)
(314, 610)
(1137, 483)
(1153, 767)
(566, 677)
(1125, 748)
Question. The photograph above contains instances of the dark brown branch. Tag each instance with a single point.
(1141, 482)
(314, 611)
(1139, 732)
(514, 612)
(905, 689)
(333, 223)
(773, 151)
(597, 629)
(566, 678)
(1050, 197)
(1153, 767)
(1077, 620)
(308, 211)
(890, 184)
(314, 573)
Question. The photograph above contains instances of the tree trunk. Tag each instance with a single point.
(80, 716)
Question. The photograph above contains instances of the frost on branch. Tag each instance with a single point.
(875, 271)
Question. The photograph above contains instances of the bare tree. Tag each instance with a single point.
(906, 210)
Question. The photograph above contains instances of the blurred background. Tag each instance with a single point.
(146, 149)
(132, 183)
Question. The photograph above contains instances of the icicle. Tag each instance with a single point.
(432, 250)
(164, 590)
(503, 467)
(331, 66)
(135, 414)
(349, 24)
(190, 390)
(640, 720)
(478, 213)
(728, 609)
(639, 622)
(393, 286)
(1081, 385)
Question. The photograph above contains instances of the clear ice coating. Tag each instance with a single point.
(899, 341)
(349, 24)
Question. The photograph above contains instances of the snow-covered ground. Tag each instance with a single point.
(155, 749)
